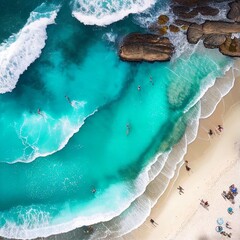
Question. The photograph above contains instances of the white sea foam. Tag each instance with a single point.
(65, 124)
(102, 13)
(23, 48)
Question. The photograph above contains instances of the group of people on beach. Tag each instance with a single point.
(218, 130)
(232, 192)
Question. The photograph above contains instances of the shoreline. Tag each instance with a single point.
(170, 199)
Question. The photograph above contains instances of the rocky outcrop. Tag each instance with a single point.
(194, 33)
(207, 11)
(231, 47)
(163, 19)
(214, 28)
(234, 12)
(214, 40)
(220, 27)
(145, 47)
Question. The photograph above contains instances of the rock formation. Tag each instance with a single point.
(145, 47)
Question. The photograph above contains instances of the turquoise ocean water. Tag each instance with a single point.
(77, 136)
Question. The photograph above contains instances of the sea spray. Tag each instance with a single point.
(23, 48)
(105, 12)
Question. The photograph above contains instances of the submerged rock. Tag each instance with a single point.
(146, 47)
(214, 40)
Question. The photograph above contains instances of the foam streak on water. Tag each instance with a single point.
(102, 13)
(23, 48)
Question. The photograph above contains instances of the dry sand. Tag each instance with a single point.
(215, 165)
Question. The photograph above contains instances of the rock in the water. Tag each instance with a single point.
(173, 28)
(192, 3)
(231, 47)
(220, 27)
(163, 30)
(145, 47)
(184, 12)
(214, 40)
(194, 33)
(163, 19)
(207, 11)
(234, 12)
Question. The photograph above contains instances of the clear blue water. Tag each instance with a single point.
(76, 122)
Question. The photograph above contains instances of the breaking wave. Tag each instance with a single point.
(23, 48)
(102, 13)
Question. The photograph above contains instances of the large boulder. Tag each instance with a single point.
(184, 12)
(214, 40)
(145, 47)
(220, 27)
(231, 47)
(207, 11)
(234, 12)
(194, 33)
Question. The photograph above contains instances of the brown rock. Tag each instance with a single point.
(214, 40)
(220, 27)
(163, 19)
(231, 47)
(180, 22)
(145, 47)
(192, 3)
(234, 12)
(174, 28)
(163, 30)
(194, 33)
(184, 12)
(207, 11)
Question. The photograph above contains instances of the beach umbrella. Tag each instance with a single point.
(220, 221)
(230, 210)
(219, 228)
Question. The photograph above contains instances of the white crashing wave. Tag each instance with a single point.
(23, 48)
(105, 12)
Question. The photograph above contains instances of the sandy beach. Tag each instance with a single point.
(215, 165)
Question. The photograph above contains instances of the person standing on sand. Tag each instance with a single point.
(220, 128)
(187, 167)
(210, 132)
(181, 190)
(153, 222)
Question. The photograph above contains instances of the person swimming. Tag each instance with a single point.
(39, 112)
(128, 128)
(68, 99)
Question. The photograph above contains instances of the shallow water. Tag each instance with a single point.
(77, 130)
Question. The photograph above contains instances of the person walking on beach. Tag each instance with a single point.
(153, 222)
(187, 167)
(220, 128)
(204, 203)
(181, 190)
(210, 132)
(228, 225)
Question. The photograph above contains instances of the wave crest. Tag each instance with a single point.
(23, 48)
(105, 12)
